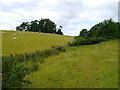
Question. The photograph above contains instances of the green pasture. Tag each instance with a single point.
(87, 66)
(30, 42)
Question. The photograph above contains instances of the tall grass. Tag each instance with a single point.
(86, 66)
(34, 56)
(16, 67)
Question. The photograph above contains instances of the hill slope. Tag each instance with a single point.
(89, 66)
(30, 42)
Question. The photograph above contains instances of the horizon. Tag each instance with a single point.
(85, 13)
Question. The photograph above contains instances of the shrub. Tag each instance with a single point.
(86, 41)
(14, 69)
(12, 73)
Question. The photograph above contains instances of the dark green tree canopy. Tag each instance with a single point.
(84, 33)
(43, 25)
(107, 29)
(103, 31)
(59, 31)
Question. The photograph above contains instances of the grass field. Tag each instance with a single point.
(89, 66)
(30, 42)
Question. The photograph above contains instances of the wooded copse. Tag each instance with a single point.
(103, 31)
(42, 25)
(106, 29)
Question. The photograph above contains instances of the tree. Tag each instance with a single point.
(22, 27)
(60, 31)
(47, 26)
(34, 26)
(84, 33)
(43, 25)
(18, 28)
(107, 29)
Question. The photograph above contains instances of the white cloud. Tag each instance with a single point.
(75, 29)
(73, 15)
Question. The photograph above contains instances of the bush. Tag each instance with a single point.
(12, 73)
(86, 41)
(14, 70)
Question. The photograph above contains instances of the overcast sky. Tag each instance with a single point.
(73, 15)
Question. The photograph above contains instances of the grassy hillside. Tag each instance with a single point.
(89, 66)
(30, 42)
